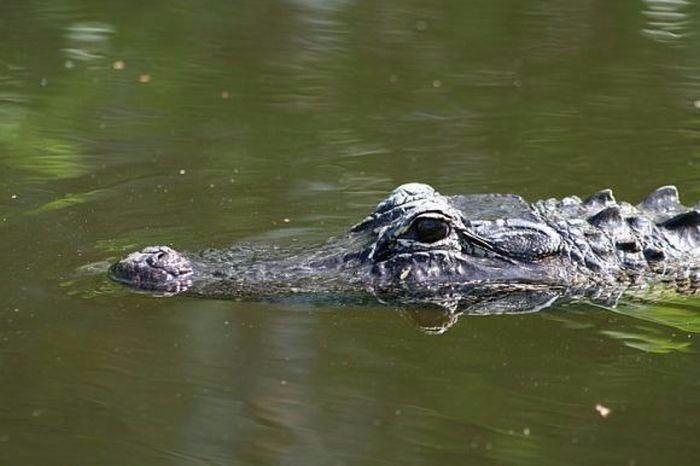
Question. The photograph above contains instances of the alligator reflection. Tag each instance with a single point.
(437, 314)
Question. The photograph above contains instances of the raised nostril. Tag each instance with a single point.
(160, 255)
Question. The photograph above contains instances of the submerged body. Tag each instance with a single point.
(421, 246)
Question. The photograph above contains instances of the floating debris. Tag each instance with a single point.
(604, 411)
(118, 65)
(145, 78)
(225, 95)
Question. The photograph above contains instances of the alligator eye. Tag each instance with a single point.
(429, 230)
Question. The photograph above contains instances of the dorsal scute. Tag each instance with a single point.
(663, 198)
(690, 219)
(602, 198)
(608, 217)
(686, 227)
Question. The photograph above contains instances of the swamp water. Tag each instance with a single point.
(125, 124)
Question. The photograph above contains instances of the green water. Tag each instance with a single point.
(125, 124)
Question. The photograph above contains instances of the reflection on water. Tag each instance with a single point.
(660, 305)
(310, 111)
(667, 20)
(86, 42)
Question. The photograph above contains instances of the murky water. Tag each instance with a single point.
(126, 124)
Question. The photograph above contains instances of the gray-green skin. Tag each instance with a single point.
(422, 247)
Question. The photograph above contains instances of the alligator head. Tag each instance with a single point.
(423, 240)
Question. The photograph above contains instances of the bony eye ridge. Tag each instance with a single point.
(428, 230)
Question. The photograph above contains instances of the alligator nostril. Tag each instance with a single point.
(160, 255)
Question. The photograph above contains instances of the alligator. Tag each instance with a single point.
(489, 253)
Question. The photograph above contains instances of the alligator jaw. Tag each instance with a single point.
(155, 268)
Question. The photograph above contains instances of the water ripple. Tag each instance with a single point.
(665, 20)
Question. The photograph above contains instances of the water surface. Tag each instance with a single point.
(126, 124)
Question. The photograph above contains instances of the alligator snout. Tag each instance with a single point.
(158, 268)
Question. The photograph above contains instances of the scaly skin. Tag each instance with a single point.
(418, 245)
